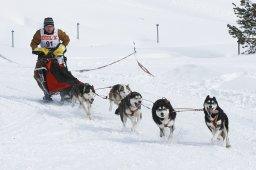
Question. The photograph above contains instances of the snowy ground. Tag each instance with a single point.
(195, 57)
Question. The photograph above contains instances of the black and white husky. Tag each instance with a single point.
(164, 116)
(83, 93)
(216, 120)
(117, 93)
(130, 107)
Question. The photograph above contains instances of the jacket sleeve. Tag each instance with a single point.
(63, 37)
(36, 40)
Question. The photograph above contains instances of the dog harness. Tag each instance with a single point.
(214, 121)
(118, 95)
(166, 125)
(133, 111)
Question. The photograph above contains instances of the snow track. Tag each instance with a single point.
(38, 135)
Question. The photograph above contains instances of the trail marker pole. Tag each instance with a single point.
(77, 26)
(238, 47)
(157, 33)
(12, 38)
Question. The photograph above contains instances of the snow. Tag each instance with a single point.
(195, 57)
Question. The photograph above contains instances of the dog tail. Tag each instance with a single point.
(117, 111)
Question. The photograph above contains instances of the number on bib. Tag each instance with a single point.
(49, 43)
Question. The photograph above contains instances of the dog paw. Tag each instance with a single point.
(162, 135)
(217, 142)
(89, 117)
(213, 141)
(169, 141)
(228, 146)
(220, 138)
(137, 132)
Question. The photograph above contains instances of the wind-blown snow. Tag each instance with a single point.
(195, 57)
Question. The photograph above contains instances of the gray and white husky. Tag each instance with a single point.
(83, 93)
(117, 93)
(216, 120)
(130, 107)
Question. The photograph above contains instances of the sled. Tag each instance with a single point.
(54, 76)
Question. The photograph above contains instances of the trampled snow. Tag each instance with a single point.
(195, 57)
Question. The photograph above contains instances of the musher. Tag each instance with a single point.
(52, 43)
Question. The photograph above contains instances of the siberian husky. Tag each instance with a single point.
(117, 93)
(216, 120)
(83, 93)
(130, 107)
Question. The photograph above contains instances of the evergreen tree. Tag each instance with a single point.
(246, 33)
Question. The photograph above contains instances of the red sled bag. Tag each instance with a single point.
(58, 77)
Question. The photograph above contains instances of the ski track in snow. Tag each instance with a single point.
(39, 132)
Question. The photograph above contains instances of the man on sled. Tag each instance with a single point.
(51, 72)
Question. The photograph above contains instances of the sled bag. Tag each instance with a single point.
(58, 77)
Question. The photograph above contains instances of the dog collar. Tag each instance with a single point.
(133, 111)
(166, 125)
(214, 121)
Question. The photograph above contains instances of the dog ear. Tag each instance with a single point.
(164, 100)
(128, 96)
(169, 105)
(127, 99)
(215, 100)
(154, 108)
(207, 97)
(128, 87)
(93, 90)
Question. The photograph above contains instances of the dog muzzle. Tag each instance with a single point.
(138, 104)
(91, 101)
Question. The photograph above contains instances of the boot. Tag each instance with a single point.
(47, 97)
(39, 76)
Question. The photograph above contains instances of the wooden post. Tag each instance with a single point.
(157, 33)
(12, 38)
(77, 26)
(238, 47)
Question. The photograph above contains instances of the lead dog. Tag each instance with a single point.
(83, 93)
(216, 120)
(117, 93)
(130, 107)
(164, 116)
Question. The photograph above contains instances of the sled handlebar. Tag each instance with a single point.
(49, 55)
